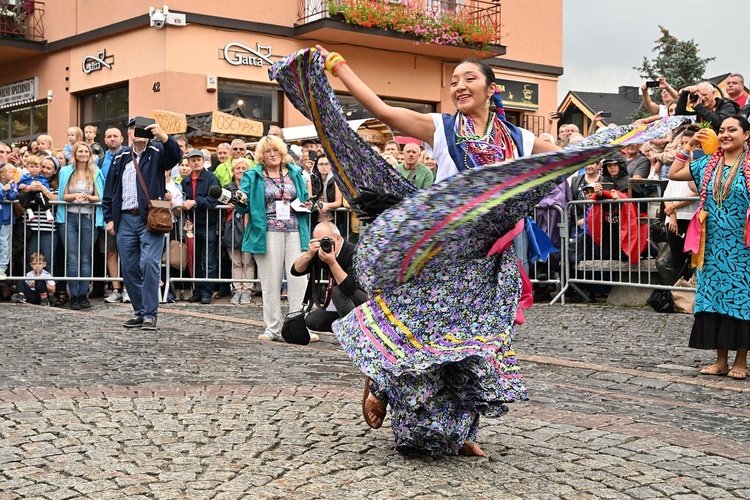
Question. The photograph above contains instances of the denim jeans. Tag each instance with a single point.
(4, 246)
(140, 258)
(78, 246)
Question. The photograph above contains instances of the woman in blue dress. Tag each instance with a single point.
(722, 302)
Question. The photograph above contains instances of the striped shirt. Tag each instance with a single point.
(129, 189)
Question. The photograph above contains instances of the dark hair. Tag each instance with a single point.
(486, 69)
(744, 124)
(315, 169)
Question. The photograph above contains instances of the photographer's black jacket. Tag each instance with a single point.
(723, 109)
(345, 258)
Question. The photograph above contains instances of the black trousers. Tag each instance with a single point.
(320, 320)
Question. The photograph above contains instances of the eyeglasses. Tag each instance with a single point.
(238, 149)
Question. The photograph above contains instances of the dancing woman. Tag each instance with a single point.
(451, 325)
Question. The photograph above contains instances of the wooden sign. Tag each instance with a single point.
(170, 122)
(223, 123)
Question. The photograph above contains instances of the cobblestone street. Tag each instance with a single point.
(201, 409)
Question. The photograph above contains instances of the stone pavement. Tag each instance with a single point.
(201, 409)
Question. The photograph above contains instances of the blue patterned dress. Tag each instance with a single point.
(722, 300)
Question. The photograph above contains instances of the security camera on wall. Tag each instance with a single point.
(161, 17)
(158, 17)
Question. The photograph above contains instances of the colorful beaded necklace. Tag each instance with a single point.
(494, 146)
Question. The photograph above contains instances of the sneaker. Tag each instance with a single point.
(268, 336)
(50, 217)
(83, 302)
(206, 300)
(134, 322)
(125, 297)
(236, 298)
(246, 298)
(149, 324)
(75, 303)
(30, 215)
(18, 298)
(115, 296)
(314, 337)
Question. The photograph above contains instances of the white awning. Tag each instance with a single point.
(304, 132)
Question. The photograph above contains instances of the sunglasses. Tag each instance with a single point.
(238, 149)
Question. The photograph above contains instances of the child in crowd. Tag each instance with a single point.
(34, 199)
(38, 286)
(75, 134)
(89, 134)
(8, 192)
(44, 143)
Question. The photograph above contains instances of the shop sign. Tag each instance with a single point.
(238, 54)
(524, 95)
(170, 122)
(97, 62)
(21, 91)
(224, 123)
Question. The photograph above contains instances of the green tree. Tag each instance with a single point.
(678, 61)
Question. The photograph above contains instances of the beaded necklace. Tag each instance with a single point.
(721, 189)
(494, 146)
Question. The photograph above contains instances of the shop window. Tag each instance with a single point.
(105, 108)
(252, 101)
(22, 124)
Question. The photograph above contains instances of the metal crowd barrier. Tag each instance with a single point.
(581, 261)
(610, 262)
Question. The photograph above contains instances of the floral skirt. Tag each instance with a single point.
(438, 349)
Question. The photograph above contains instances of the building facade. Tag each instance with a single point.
(79, 62)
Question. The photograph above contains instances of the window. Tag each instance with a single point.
(22, 124)
(252, 101)
(105, 108)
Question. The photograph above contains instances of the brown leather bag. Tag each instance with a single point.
(159, 219)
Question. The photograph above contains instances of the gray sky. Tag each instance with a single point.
(604, 39)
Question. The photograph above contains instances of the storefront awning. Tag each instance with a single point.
(371, 130)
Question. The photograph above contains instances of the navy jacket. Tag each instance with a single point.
(155, 160)
(203, 202)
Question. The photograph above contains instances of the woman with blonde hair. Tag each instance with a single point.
(81, 184)
(275, 234)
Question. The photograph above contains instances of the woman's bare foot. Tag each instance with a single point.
(471, 449)
(373, 409)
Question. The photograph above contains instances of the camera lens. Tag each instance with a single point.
(326, 244)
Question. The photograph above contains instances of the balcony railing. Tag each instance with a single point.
(21, 19)
(474, 23)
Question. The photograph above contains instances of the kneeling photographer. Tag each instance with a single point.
(335, 256)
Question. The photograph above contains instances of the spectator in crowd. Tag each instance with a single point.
(392, 147)
(185, 146)
(325, 192)
(38, 286)
(200, 208)
(75, 135)
(429, 162)
(60, 155)
(546, 137)
(8, 192)
(7, 155)
(184, 172)
(614, 171)
(278, 132)
(735, 88)
(34, 198)
(275, 234)
(591, 175)
(708, 107)
(89, 137)
(722, 318)
(108, 242)
(412, 169)
(224, 170)
(173, 194)
(243, 265)
(44, 143)
(307, 163)
(223, 152)
(638, 167)
(653, 108)
(81, 185)
(41, 231)
(343, 293)
(125, 210)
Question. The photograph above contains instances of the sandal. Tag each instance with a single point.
(62, 299)
(372, 411)
(714, 370)
(738, 373)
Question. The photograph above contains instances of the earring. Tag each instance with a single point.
(487, 104)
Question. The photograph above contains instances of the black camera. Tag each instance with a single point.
(693, 97)
(326, 244)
